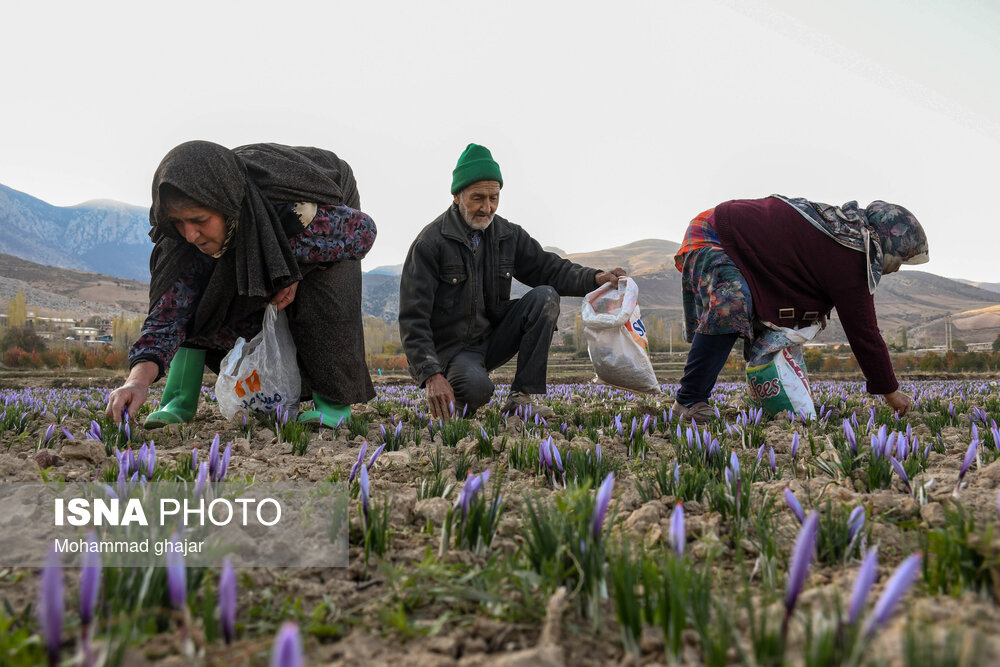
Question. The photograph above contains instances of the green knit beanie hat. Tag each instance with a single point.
(476, 164)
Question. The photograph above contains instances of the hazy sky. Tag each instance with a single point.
(612, 122)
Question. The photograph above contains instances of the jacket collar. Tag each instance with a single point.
(453, 227)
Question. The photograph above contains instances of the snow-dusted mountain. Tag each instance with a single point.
(100, 236)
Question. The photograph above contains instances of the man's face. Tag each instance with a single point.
(478, 203)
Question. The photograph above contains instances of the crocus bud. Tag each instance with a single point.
(176, 574)
(227, 600)
(862, 584)
(678, 536)
(798, 566)
(90, 581)
(601, 505)
(50, 605)
(794, 505)
(287, 649)
(899, 584)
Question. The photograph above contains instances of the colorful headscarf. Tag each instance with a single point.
(888, 234)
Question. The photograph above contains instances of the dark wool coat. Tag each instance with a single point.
(248, 183)
(440, 284)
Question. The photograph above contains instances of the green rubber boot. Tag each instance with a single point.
(327, 413)
(180, 394)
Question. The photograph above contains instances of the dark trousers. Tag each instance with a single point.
(704, 363)
(526, 330)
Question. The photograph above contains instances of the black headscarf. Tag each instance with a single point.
(243, 184)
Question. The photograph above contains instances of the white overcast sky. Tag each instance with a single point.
(611, 121)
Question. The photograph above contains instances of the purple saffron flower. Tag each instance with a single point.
(473, 484)
(678, 536)
(359, 462)
(677, 473)
(970, 456)
(50, 605)
(855, 522)
(734, 463)
(194, 458)
(176, 574)
(95, 431)
(890, 443)
(862, 585)
(556, 458)
(898, 467)
(545, 451)
(69, 436)
(227, 600)
(50, 431)
(794, 505)
(377, 453)
(798, 567)
(760, 453)
(201, 479)
(90, 580)
(795, 444)
(365, 490)
(849, 434)
(899, 584)
(287, 649)
(771, 460)
(213, 458)
(902, 446)
(121, 485)
(224, 462)
(601, 505)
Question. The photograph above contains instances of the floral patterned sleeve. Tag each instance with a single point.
(165, 327)
(335, 233)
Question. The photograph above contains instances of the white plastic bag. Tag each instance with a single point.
(776, 372)
(260, 375)
(616, 337)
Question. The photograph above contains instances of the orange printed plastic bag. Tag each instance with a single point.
(260, 375)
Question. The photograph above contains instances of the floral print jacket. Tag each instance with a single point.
(335, 233)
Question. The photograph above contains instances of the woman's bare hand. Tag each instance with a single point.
(128, 398)
(899, 402)
(284, 297)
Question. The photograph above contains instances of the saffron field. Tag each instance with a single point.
(610, 534)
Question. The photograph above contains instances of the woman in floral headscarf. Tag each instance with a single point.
(235, 230)
(788, 262)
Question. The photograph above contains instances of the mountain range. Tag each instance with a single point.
(109, 238)
(99, 236)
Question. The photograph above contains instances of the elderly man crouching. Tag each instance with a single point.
(457, 321)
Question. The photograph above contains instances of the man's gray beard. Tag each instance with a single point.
(470, 224)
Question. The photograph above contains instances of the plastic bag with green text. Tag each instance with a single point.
(776, 372)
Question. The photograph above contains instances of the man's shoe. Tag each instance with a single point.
(700, 412)
(179, 401)
(526, 406)
(326, 413)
